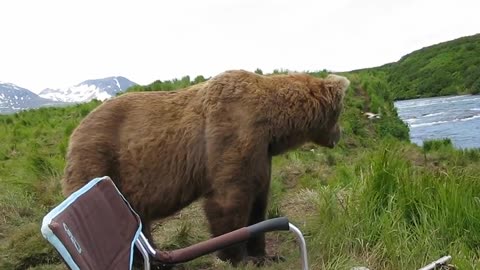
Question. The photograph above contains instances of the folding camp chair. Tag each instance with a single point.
(96, 228)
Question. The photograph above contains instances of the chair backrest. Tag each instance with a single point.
(94, 228)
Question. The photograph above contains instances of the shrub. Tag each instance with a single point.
(430, 145)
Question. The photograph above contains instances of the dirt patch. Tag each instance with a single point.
(296, 204)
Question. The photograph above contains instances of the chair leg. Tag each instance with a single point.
(144, 252)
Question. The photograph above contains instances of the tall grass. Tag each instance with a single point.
(396, 215)
(32, 150)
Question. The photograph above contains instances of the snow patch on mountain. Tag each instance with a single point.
(100, 89)
(78, 93)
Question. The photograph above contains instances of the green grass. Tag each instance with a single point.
(437, 144)
(31, 164)
(395, 214)
(375, 200)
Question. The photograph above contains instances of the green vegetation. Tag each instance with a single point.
(437, 144)
(32, 154)
(376, 200)
(447, 68)
(168, 85)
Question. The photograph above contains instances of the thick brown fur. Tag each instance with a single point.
(214, 140)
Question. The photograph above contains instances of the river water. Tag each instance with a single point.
(454, 117)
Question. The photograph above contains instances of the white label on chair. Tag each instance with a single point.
(72, 238)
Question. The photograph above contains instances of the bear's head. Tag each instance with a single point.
(330, 93)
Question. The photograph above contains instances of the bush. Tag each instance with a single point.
(431, 145)
(475, 89)
(389, 126)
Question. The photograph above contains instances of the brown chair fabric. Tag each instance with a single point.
(98, 228)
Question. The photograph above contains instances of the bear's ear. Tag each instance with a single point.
(340, 82)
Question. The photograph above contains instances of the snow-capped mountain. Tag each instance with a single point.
(99, 89)
(14, 98)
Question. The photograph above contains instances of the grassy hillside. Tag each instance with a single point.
(376, 200)
(447, 68)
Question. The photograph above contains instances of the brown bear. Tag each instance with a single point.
(213, 140)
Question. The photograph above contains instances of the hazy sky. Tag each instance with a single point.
(60, 43)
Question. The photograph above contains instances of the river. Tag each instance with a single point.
(454, 117)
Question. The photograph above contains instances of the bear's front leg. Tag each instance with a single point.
(256, 245)
(228, 209)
